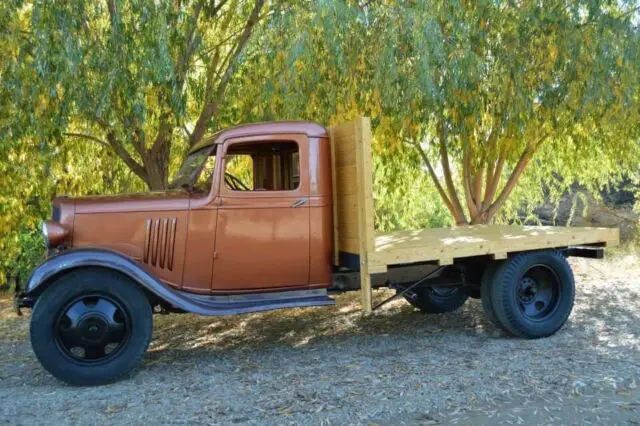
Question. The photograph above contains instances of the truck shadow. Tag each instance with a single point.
(297, 328)
(600, 319)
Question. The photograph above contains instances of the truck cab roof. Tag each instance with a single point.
(308, 128)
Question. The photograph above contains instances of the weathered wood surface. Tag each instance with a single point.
(443, 245)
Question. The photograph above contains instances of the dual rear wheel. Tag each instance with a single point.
(437, 300)
(529, 295)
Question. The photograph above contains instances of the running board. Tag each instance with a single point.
(246, 303)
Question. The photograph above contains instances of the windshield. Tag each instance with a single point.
(190, 167)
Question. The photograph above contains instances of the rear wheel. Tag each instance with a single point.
(438, 300)
(91, 327)
(532, 294)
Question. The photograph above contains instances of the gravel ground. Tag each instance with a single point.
(336, 366)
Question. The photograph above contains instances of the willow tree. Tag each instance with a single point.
(481, 90)
(135, 76)
(486, 88)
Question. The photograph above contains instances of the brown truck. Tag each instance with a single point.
(268, 216)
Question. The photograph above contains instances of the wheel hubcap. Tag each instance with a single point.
(92, 328)
(538, 292)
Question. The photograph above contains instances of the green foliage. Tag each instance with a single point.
(481, 89)
(403, 198)
(141, 79)
(32, 177)
(480, 108)
(102, 97)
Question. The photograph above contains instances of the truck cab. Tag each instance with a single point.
(248, 211)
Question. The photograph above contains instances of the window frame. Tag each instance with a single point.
(303, 185)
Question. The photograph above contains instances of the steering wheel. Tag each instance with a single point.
(235, 183)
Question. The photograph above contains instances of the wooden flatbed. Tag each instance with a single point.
(358, 247)
(443, 245)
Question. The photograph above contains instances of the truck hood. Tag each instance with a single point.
(138, 202)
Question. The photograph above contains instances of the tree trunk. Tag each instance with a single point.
(481, 210)
(156, 166)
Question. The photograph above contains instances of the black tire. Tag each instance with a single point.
(435, 300)
(75, 320)
(485, 285)
(532, 294)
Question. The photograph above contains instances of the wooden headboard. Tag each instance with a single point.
(352, 179)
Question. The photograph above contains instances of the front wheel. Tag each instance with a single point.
(91, 327)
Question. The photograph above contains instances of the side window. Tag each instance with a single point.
(262, 166)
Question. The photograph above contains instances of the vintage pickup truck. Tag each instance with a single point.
(268, 216)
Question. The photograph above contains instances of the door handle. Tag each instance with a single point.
(299, 202)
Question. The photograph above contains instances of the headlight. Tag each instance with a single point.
(45, 233)
(54, 233)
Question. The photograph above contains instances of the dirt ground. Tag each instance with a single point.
(334, 366)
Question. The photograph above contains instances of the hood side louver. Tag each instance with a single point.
(159, 241)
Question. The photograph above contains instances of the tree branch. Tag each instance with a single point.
(515, 176)
(183, 64)
(477, 188)
(466, 182)
(121, 152)
(87, 137)
(511, 183)
(212, 102)
(493, 181)
(437, 183)
(444, 159)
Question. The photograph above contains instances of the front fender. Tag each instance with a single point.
(47, 272)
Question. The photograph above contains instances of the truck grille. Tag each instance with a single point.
(160, 237)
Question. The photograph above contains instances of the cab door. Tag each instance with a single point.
(262, 232)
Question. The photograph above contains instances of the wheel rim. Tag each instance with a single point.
(92, 329)
(538, 293)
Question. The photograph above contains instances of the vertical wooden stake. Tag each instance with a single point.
(365, 207)
(334, 192)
